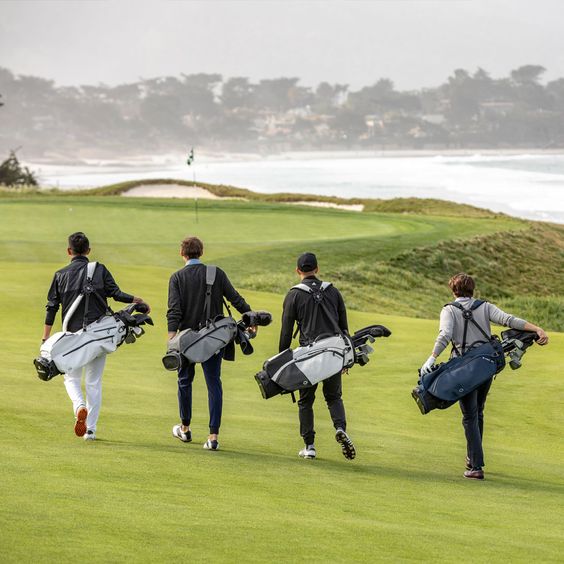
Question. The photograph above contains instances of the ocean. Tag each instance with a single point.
(527, 186)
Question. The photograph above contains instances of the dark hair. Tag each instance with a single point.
(79, 243)
(462, 285)
(192, 247)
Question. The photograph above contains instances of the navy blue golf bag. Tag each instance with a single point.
(452, 380)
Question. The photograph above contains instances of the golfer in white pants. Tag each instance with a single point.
(93, 384)
(67, 285)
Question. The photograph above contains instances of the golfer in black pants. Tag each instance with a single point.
(299, 307)
(472, 407)
(452, 329)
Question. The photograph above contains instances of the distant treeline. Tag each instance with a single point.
(470, 110)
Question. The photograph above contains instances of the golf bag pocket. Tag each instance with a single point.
(427, 402)
(199, 346)
(172, 360)
(268, 387)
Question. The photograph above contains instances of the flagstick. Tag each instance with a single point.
(194, 184)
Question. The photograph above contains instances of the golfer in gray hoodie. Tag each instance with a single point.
(452, 330)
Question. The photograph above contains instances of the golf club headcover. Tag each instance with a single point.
(138, 307)
(257, 318)
(526, 337)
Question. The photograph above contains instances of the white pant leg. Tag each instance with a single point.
(74, 389)
(93, 383)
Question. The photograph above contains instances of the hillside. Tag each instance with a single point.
(394, 257)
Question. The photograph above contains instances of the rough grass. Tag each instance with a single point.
(522, 270)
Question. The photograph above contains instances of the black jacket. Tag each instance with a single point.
(299, 307)
(187, 294)
(67, 285)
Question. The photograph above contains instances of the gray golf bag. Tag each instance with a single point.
(305, 366)
(216, 334)
(65, 351)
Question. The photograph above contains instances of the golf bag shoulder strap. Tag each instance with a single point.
(317, 295)
(310, 290)
(475, 305)
(87, 288)
(303, 287)
(211, 272)
(468, 316)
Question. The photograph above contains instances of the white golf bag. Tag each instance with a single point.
(65, 351)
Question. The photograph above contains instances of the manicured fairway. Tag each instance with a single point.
(138, 494)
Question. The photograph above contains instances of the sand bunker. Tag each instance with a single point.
(170, 191)
(348, 207)
(180, 191)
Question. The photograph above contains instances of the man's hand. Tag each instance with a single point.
(253, 329)
(171, 334)
(543, 337)
(428, 366)
(142, 301)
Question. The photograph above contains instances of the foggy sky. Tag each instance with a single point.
(414, 42)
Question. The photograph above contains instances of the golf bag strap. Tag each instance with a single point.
(88, 273)
(468, 316)
(306, 288)
(317, 295)
(227, 307)
(331, 317)
(87, 289)
(75, 303)
(211, 271)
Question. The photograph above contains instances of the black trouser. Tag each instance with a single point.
(472, 407)
(332, 391)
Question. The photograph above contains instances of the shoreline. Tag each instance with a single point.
(230, 157)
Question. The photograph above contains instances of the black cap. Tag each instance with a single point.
(307, 262)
